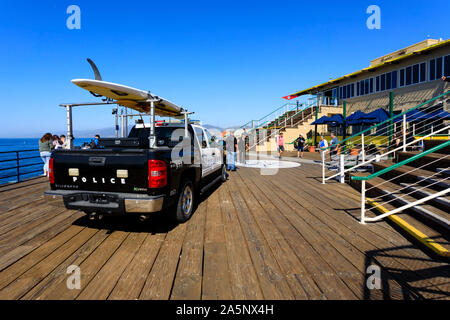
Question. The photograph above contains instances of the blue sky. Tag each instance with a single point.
(229, 61)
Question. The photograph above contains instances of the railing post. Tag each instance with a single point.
(363, 201)
(341, 168)
(18, 170)
(322, 153)
(404, 132)
(363, 150)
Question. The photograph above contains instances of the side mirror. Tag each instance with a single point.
(203, 144)
(213, 138)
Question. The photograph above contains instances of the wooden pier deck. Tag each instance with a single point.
(284, 236)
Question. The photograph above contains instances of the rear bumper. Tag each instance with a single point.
(110, 203)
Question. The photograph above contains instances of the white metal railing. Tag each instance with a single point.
(400, 194)
(365, 139)
(365, 162)
(262, 136)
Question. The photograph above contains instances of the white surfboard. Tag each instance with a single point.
(130, 97)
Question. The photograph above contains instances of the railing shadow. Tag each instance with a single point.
(407, 282)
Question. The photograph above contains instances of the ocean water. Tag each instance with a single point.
(27, 148)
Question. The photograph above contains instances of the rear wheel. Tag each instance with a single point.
(185, 204)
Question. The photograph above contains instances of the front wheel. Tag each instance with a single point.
(185, 204)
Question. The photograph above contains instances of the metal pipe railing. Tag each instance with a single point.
(381, 172)
(18, 165)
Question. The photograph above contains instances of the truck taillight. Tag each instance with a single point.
(51, 175)
(157, 174)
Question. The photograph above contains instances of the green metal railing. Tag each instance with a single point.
(392, 118)
(399, 164)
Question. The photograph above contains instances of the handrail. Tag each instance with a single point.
(394, 117)
(399, 164)
(18, 165)
(384, 154)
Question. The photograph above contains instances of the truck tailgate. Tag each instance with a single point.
(103, 170)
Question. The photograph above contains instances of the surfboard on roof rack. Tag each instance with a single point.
(129, 97)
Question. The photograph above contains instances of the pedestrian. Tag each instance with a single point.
(247, 141)
(232, 147)
(334, 145)
(57, 143)
(280, 143)
(241, 147)
(299, 144)
(45, 149)
(323, 145)
(64, 142)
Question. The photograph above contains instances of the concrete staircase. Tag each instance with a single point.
(409, 183)
(292, 124)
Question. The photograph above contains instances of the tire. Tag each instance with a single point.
(223, 174)
(185, 203)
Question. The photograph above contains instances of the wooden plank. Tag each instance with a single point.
(133, 278)
(89, 268)
(22, 250)
(324, 275)
(104, 281)
(14, 271)
(373, 236)
(216, 275)
(29, 231)
(302, 285)
(60, 273)
(159, 282)
(30, 278)
(273, 284)
(244, 281)
(188, 280)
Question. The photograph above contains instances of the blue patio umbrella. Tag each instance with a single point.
(413, 116)
(439, 114)
(376, 116)
(335, 120)
(355, 118)
(321, 120)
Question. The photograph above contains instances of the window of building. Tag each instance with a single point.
(415, 74)
(388, 81)
(383, 82)
(423, 72)
(402, 78)
(408, 76)
(432, 69)
(439, 68)
(447, 66)
(377, 83)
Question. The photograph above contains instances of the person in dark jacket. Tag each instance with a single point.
(299, 144)
(45, 149)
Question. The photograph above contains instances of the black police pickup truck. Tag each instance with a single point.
(126, 176)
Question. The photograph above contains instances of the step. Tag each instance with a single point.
(428, 144)
(430, 239)
(433, 222)
(378, 187)
(433, 183)
(429, 162)
(403, 173)
(443, 171)
(419, 192)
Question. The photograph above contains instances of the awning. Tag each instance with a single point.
(376, 116)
